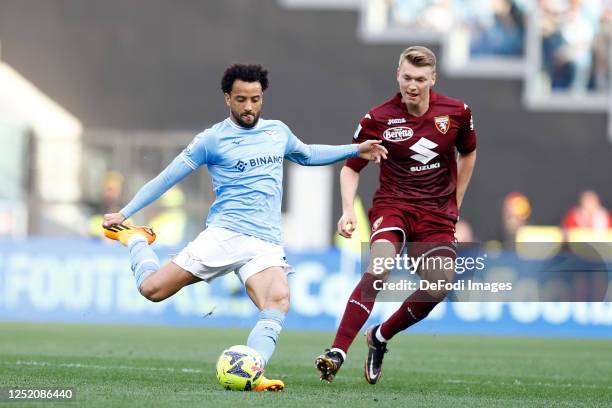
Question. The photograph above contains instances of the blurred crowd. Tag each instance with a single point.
(588, 221)
(496, 27)
(576, 43)
(575, 34)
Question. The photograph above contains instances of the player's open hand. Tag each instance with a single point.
(112, 219)
(347, 224)
(372, 150)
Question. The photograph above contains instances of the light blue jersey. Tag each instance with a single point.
(246, 166)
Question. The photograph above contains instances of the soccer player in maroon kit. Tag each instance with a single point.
(432, 151)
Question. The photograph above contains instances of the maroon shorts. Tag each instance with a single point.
(428, 233)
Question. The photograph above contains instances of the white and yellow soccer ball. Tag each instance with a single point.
(240, 368)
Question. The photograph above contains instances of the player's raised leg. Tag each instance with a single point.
(269, 290)
(153, 282)
(360, 304)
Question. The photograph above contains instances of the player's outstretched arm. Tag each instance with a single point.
(175, 172)
(349, 181)
(372, 150)
(465, 167)
(319, 155)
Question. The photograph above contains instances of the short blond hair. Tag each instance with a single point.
(418, 56)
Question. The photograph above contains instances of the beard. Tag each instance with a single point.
(244, 124)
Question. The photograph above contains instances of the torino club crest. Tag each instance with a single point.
(442, 123)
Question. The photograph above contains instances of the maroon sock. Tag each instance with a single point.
(357, 311)
(414, 309)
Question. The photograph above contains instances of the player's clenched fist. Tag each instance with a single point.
(346, 225)
(112, 219)
(372, 150)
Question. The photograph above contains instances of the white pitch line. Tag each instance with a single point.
(101, 367)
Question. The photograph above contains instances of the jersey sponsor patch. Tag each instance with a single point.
(258, 161)
(377, 223)
(442, 123)
(416, 169)
(398, 134)
(396, 121)
(240, 166)
(424, 151)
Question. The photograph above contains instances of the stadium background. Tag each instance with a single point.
(98, 95)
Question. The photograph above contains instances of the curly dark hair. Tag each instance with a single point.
(244, 72)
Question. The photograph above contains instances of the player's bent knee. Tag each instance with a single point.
(152, 292)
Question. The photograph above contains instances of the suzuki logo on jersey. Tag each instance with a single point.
(423, 148)
(398, 134)
(442, 123)
(425, 167)
(258, 161)
(396, 121)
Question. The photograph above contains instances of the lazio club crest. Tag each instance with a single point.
(442, 123)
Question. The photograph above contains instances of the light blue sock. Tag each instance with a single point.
(264, 335)
(144, 261)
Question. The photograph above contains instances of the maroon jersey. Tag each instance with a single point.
(421, 168)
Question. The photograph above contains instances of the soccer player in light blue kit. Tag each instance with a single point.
(244, 155)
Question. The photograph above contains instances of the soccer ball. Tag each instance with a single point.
(240, 368)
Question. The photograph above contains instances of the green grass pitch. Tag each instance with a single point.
(141, 366)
